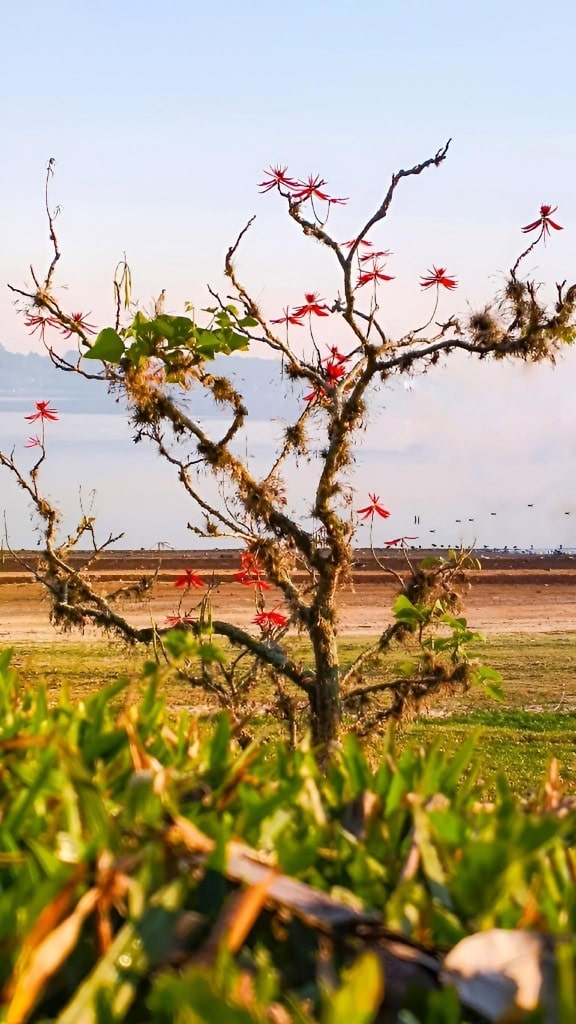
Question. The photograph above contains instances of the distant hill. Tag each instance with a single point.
(32, 376)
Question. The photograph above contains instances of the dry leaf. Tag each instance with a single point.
(498, 971)
(47, 958)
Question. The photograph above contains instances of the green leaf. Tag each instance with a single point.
(408, 613)
(209, 652)
(181, 643)
(108, 346)
(360, 996)
(494, 690)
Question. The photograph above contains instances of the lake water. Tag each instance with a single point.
(441, 475)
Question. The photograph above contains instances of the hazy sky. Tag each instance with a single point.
(162, 117)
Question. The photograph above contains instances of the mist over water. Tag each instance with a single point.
(462, 460)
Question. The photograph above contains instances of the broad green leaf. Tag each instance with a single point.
(108, 346)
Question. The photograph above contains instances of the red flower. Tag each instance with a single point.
(312, 189)
(277, 177)
(39, 323)
(376, 274)
(362, 243)
(288, 318)
(79, 322)
(374, 509)
(315, 395)
(34, 442)
(544, 221)
(43, 412)
(335, 371)
(188, 579)
(269, 620)
(178, 620)
(397, 540)
(336, 356)
(250, 573)
(437, 276)
(381, 254)
(314, 305)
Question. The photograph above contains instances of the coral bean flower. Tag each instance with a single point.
(381, 254)
(79, 321)
(436, 277)
(336, 356)
(250, 573)
(315, 395)
(179, 620)
(277, 176)
(314, 304)
(374, 508)
(188, 579)
(544, 221)
(34, 442)
(312, 189)
(43, 412)
(269, 620)
(397, 540)
(376, 274)
(334, 371)
(362, 243)
(39, 323)
(288, 318)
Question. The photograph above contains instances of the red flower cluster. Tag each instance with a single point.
(374, 508)
(312, 188)
(189, 579)
(544, 221)
(288, 318)
(277, 178)
(436, 277)
(34, 442)
(179, 620)
(334, 371)
(39, 322)
(36, 322)
(335, 356)
(270, 620)
(376, 274)
(381, 254)
(314, 306)
(397, 540)
(251, 572)
(359, 243)
(315, 395)
(43, 412)
(79, 321)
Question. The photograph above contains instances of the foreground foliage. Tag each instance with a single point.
(152, 869)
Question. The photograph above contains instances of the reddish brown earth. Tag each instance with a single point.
(512, 594)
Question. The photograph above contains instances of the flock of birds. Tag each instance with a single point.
(471, 519)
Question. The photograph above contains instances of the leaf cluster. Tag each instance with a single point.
(124, 836)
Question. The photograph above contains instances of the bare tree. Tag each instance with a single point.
(156, 361)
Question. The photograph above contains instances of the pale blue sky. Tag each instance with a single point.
(162, 117)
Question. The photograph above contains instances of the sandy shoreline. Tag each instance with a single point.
(512, 594)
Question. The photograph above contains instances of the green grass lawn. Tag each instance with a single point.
(536, 721)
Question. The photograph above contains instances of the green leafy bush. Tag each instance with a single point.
(153, 869)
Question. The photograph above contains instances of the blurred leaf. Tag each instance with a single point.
(108, 346)
(360, 996)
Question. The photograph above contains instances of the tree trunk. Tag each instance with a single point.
(325, 710)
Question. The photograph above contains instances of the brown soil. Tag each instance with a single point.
(512, 594)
